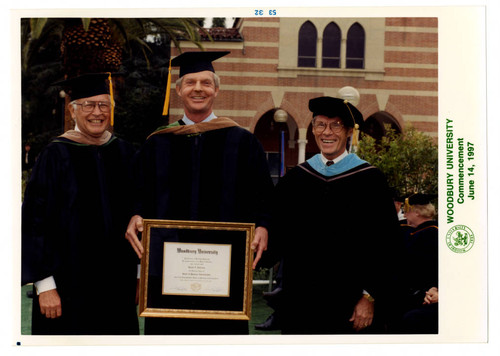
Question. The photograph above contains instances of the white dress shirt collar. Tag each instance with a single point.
(188, 121)
(335, 160)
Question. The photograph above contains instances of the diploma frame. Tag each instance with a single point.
(235, 306)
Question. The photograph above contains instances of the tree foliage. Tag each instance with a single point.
(219, 22)
(53, 48)
(409, 160)
(126, 34)
(141, 93)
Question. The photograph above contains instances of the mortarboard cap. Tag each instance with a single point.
(86, 85)
(419, 199)
(190, 62)
(335, 107)
(194, 62)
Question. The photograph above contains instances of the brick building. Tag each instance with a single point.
(281, 63)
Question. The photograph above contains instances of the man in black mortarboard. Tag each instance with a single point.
(339, 251)
(420, 275)
(74, 216)
(201, 168)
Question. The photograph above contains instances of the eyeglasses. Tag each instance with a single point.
(89, 106)
(335, 126)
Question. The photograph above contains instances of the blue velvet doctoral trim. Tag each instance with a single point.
(349, 162)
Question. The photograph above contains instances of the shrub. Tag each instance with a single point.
(409, 161)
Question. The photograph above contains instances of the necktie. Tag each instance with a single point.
(329, 163)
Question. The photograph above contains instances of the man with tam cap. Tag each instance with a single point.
(201, 168)
(337, 231)
(421, 261)
(74, 216)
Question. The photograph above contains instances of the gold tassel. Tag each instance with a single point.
(355, 132)
(407, 205)
(167, 95)
(355, 138)
(112, 99)
(406, 208)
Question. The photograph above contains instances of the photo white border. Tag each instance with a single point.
(455, 101)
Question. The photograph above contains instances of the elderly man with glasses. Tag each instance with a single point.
(74, 216)
(336, 231)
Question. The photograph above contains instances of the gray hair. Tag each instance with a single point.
(427, 211)
(178, 83)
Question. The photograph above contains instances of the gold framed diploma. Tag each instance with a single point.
(196, 269)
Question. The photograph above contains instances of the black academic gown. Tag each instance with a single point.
(219, 175)
(422, 256)
(420, 274)
(338, 236)
(74, 216)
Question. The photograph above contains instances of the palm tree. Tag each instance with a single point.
(106, 39)
(90, 45)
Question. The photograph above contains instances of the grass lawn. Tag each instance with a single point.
(260, 311)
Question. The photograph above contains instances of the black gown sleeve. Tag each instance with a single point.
(39, 216)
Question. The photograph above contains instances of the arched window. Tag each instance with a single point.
(377, 125)
(355, 52)
(331, 46)
(307, 45)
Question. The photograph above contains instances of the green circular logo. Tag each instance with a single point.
(460, 239)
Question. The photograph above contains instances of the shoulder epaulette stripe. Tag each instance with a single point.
(339, 176)
(425, 228)
(69, 142)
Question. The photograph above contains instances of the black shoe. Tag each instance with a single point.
(269, 324)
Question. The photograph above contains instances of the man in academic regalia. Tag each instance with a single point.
(421, 262)
(201, 168)
(337, 232)
(74, 216)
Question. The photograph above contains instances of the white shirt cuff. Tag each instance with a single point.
(45, 285)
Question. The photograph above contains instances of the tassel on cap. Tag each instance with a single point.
(407, 205)
(355, 132)
(355, 139)
(190, 62)
(336, 107)
(167, 91)
(88, 85)
(418, 199)
(194, 62)
(112, 120)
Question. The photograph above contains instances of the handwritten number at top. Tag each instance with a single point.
(261, 12)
